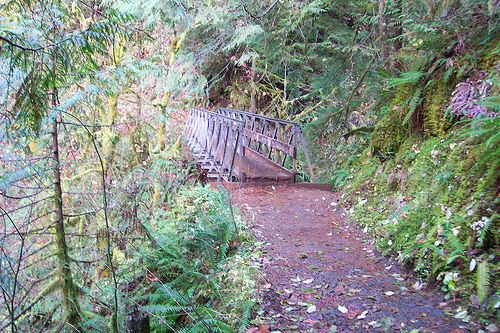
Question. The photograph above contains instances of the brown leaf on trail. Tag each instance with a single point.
(264, 328)
(261, 329)
(352, 313)
(310, 321)
(339, 289)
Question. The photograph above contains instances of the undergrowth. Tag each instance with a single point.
(196, 276)
(435, 207)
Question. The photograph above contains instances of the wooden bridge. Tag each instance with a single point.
(234, 145)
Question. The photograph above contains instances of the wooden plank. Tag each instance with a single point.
(281, 146)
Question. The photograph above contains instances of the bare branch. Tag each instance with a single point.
(23, 48)
(264, 13)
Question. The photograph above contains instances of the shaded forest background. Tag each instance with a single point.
(102, 226)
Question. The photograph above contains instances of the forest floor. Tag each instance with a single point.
(321, 273)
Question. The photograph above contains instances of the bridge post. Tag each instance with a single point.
(311, 173)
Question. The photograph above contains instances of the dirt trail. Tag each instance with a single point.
(320, 274)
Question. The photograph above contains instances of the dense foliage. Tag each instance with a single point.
(101, 224)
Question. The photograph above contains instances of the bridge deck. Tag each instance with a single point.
(256, 168)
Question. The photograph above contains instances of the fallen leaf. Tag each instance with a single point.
(389, 293)
(308, 281)
(363, 315)
(297, 279)
(311, 309)
(342, 309)
(264, 328)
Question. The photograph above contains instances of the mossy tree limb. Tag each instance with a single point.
(176, 44)
(68, 286)
(162, 129)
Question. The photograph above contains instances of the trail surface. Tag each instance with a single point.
(322, 274)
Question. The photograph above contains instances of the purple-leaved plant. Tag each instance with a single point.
(468, 97)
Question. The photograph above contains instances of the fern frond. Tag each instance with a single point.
(486, 228)
(482, 280)
(456, 243)
(166, 309)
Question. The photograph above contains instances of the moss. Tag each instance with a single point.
(490, 55)
(390, 131)
(434, 107)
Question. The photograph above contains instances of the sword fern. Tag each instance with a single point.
(482, 280)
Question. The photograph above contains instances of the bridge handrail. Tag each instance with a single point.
(225, 111)
(223, 135)
(217, 138)
(294, 132)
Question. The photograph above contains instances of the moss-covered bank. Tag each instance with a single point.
(435, 210)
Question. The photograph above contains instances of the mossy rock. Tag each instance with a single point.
(437, 97)
(388, 135)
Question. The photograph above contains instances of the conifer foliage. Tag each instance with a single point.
(48, 49)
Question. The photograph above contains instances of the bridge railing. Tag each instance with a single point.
(219, 140)
(215, 140)
(275, 139)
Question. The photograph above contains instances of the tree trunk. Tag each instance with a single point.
(396, 31)
(396, 34)
(68, 287)
(384, 52)
(253, 106)
(162, 130)
(137, 322)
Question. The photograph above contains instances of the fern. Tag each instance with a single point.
(482, 280)
(412, 77)
(486, 228)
